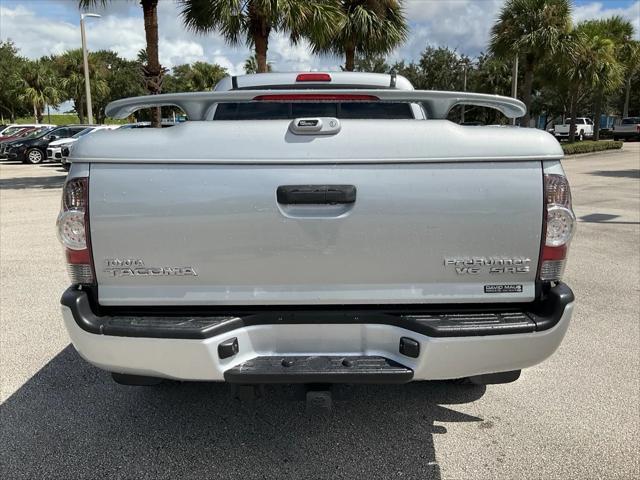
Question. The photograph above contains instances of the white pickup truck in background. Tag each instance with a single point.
(584, 129)
(629, 128)
(317, 228)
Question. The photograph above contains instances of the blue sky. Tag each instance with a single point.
(40, 27)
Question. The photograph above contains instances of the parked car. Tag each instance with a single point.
(16, 133)
(584, 129)
(34, 149)
(54, 149)
(65, 150)
(9, 129)
(628, 129)
(22, 134)
(326, 231)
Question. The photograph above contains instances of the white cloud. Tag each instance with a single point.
(460, 24)
(49, 26)
(121, 28)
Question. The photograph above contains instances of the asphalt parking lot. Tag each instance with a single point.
(575, 416)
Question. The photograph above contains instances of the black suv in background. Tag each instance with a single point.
(34, 149)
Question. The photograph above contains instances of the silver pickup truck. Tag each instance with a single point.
(629, 128)
(317, 228)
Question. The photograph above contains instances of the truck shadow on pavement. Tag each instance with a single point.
(71, 421)
(21, 183)
(604, 218)
(631, 173)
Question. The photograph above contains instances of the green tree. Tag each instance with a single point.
(491, 75)
(631, 61)
(439, 68)
(153, 71)
(619, 32)
(204, 76)
(593, 66)
(553, 93)
(70, 69)
(38, 85)
(531, 30)
(368, 27)
(197, 77)
(634, 96)
(252, 21)
(251, 64)
(123, 78)
(375, 63)
(10, 82)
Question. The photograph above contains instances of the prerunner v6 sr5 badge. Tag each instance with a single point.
(488, 265)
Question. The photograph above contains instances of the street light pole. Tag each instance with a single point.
(85, 59)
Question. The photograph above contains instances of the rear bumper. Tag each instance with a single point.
(54, 153)
(566, 135)
(451, 345)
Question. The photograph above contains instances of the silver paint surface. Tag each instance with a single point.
(388, 247)
(358, 141)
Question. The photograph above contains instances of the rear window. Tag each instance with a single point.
(11, 131)
(631, 121)
(288, 111)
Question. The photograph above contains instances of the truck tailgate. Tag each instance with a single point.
(216, 234)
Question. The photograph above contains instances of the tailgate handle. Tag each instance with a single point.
(316, 194)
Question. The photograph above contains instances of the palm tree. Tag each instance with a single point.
(152, 70)
(38, 86)
(251, 64)
(592, 66)
(204, 76)
(368, 27)
(70, 69)
(619, 31)
(531, 30)
(631, 62)
(252, 21)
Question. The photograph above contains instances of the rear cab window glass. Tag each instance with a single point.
(289, 111)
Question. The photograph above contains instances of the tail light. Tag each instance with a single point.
(73, 230)
(559, 226)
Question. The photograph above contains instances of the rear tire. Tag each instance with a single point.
(34, 156)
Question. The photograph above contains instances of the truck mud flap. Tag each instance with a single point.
(319, 369)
